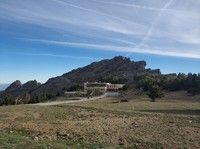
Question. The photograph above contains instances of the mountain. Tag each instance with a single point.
(117, 70)
(14, 86)
(17, 88)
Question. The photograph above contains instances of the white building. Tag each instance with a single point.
(107, 88)
(95, 85)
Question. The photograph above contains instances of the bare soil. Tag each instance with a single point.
(107, 123)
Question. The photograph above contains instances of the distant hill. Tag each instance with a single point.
(17, 88)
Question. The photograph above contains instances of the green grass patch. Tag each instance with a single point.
(17, 140)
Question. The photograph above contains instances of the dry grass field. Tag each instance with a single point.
(104, 123)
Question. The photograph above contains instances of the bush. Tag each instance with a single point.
(8, 100)
(155, 92)
(194, 91)
(94, 92)
(75, 88)
(42, 97)
(23, 99)
(124, 88)
(150, 85)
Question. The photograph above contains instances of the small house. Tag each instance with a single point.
(107, 88)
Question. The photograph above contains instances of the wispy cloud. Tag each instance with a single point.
(133, 5)
(138, 6)
(146, 50)
(143, 26)
(54, 55)
(154, 23)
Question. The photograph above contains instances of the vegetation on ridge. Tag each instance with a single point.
(117, 70)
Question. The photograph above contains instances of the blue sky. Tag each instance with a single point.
(40, 39)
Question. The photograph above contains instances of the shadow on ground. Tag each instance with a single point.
(185, 112)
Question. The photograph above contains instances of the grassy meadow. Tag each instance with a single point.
(104, 123)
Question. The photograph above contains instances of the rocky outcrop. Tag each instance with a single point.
(53, 86)
(117, 70)
(17, 88)
(14, 86)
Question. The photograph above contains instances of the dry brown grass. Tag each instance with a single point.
(110, 124)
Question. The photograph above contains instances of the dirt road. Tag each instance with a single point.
(81, 99)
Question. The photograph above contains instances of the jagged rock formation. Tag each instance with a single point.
(117, 70)
(53, 86)
(14, 86)
(17, 88)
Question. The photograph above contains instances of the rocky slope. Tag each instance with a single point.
(14, 86)
(17, 88)
(117, 70)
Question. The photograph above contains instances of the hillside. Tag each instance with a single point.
(117, 70)
(17, 88)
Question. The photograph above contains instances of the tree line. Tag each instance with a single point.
(155, 85)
